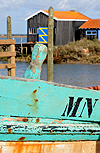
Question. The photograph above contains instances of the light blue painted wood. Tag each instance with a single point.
(39, 53)
(35, 110)
(19, 97)
(39, 129)
(62, 137)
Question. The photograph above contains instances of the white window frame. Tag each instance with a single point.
(91, 32)
(33, 31)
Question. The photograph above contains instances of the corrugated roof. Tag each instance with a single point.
(92, 23)
(64, 15)
(69, 15)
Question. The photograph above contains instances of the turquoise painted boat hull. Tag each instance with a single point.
(35, 110)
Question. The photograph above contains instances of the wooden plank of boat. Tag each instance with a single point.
(50, 147)
(43, 129)
(34, 110)
(35, 98)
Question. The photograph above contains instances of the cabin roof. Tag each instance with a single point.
(91, 23)
(64, 15)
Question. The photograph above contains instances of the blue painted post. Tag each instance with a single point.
(38, 56)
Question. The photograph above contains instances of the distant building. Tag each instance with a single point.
(90, 29)
(66, 24)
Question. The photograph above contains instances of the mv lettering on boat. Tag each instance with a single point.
(77, 108)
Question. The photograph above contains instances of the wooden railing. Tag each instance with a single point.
(10, 54)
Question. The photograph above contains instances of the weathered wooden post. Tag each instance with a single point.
(50, 46)
(9, 36)
(21, 46)
(12, 49)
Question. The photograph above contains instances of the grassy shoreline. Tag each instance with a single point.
(71, 53)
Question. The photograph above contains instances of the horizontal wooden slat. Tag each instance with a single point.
(7, 54)
(42, 129)
(7, 42)
(3, 66)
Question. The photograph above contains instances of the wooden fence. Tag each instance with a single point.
(10, 54)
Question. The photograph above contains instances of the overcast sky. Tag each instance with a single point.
(18, 10)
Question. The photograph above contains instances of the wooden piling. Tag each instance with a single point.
(9, 36)
(12, 48)
(21, 46)
(9, 33)
(50, 45)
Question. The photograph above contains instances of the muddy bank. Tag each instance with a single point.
(24, 58)
(78, 58)
(83, 51)
(65, 58)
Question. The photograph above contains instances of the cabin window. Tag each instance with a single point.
(33, 31)
(91, 32)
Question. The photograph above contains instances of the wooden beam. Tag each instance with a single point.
(4, 66)
(14, 36)
(7, 42)
(12, 48)
(7, 54)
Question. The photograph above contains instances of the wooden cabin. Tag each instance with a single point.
(66, 24)
(90, 29)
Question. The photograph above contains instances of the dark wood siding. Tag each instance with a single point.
(64, 32)
(67, 31)
(76, 25)
(40, 20)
